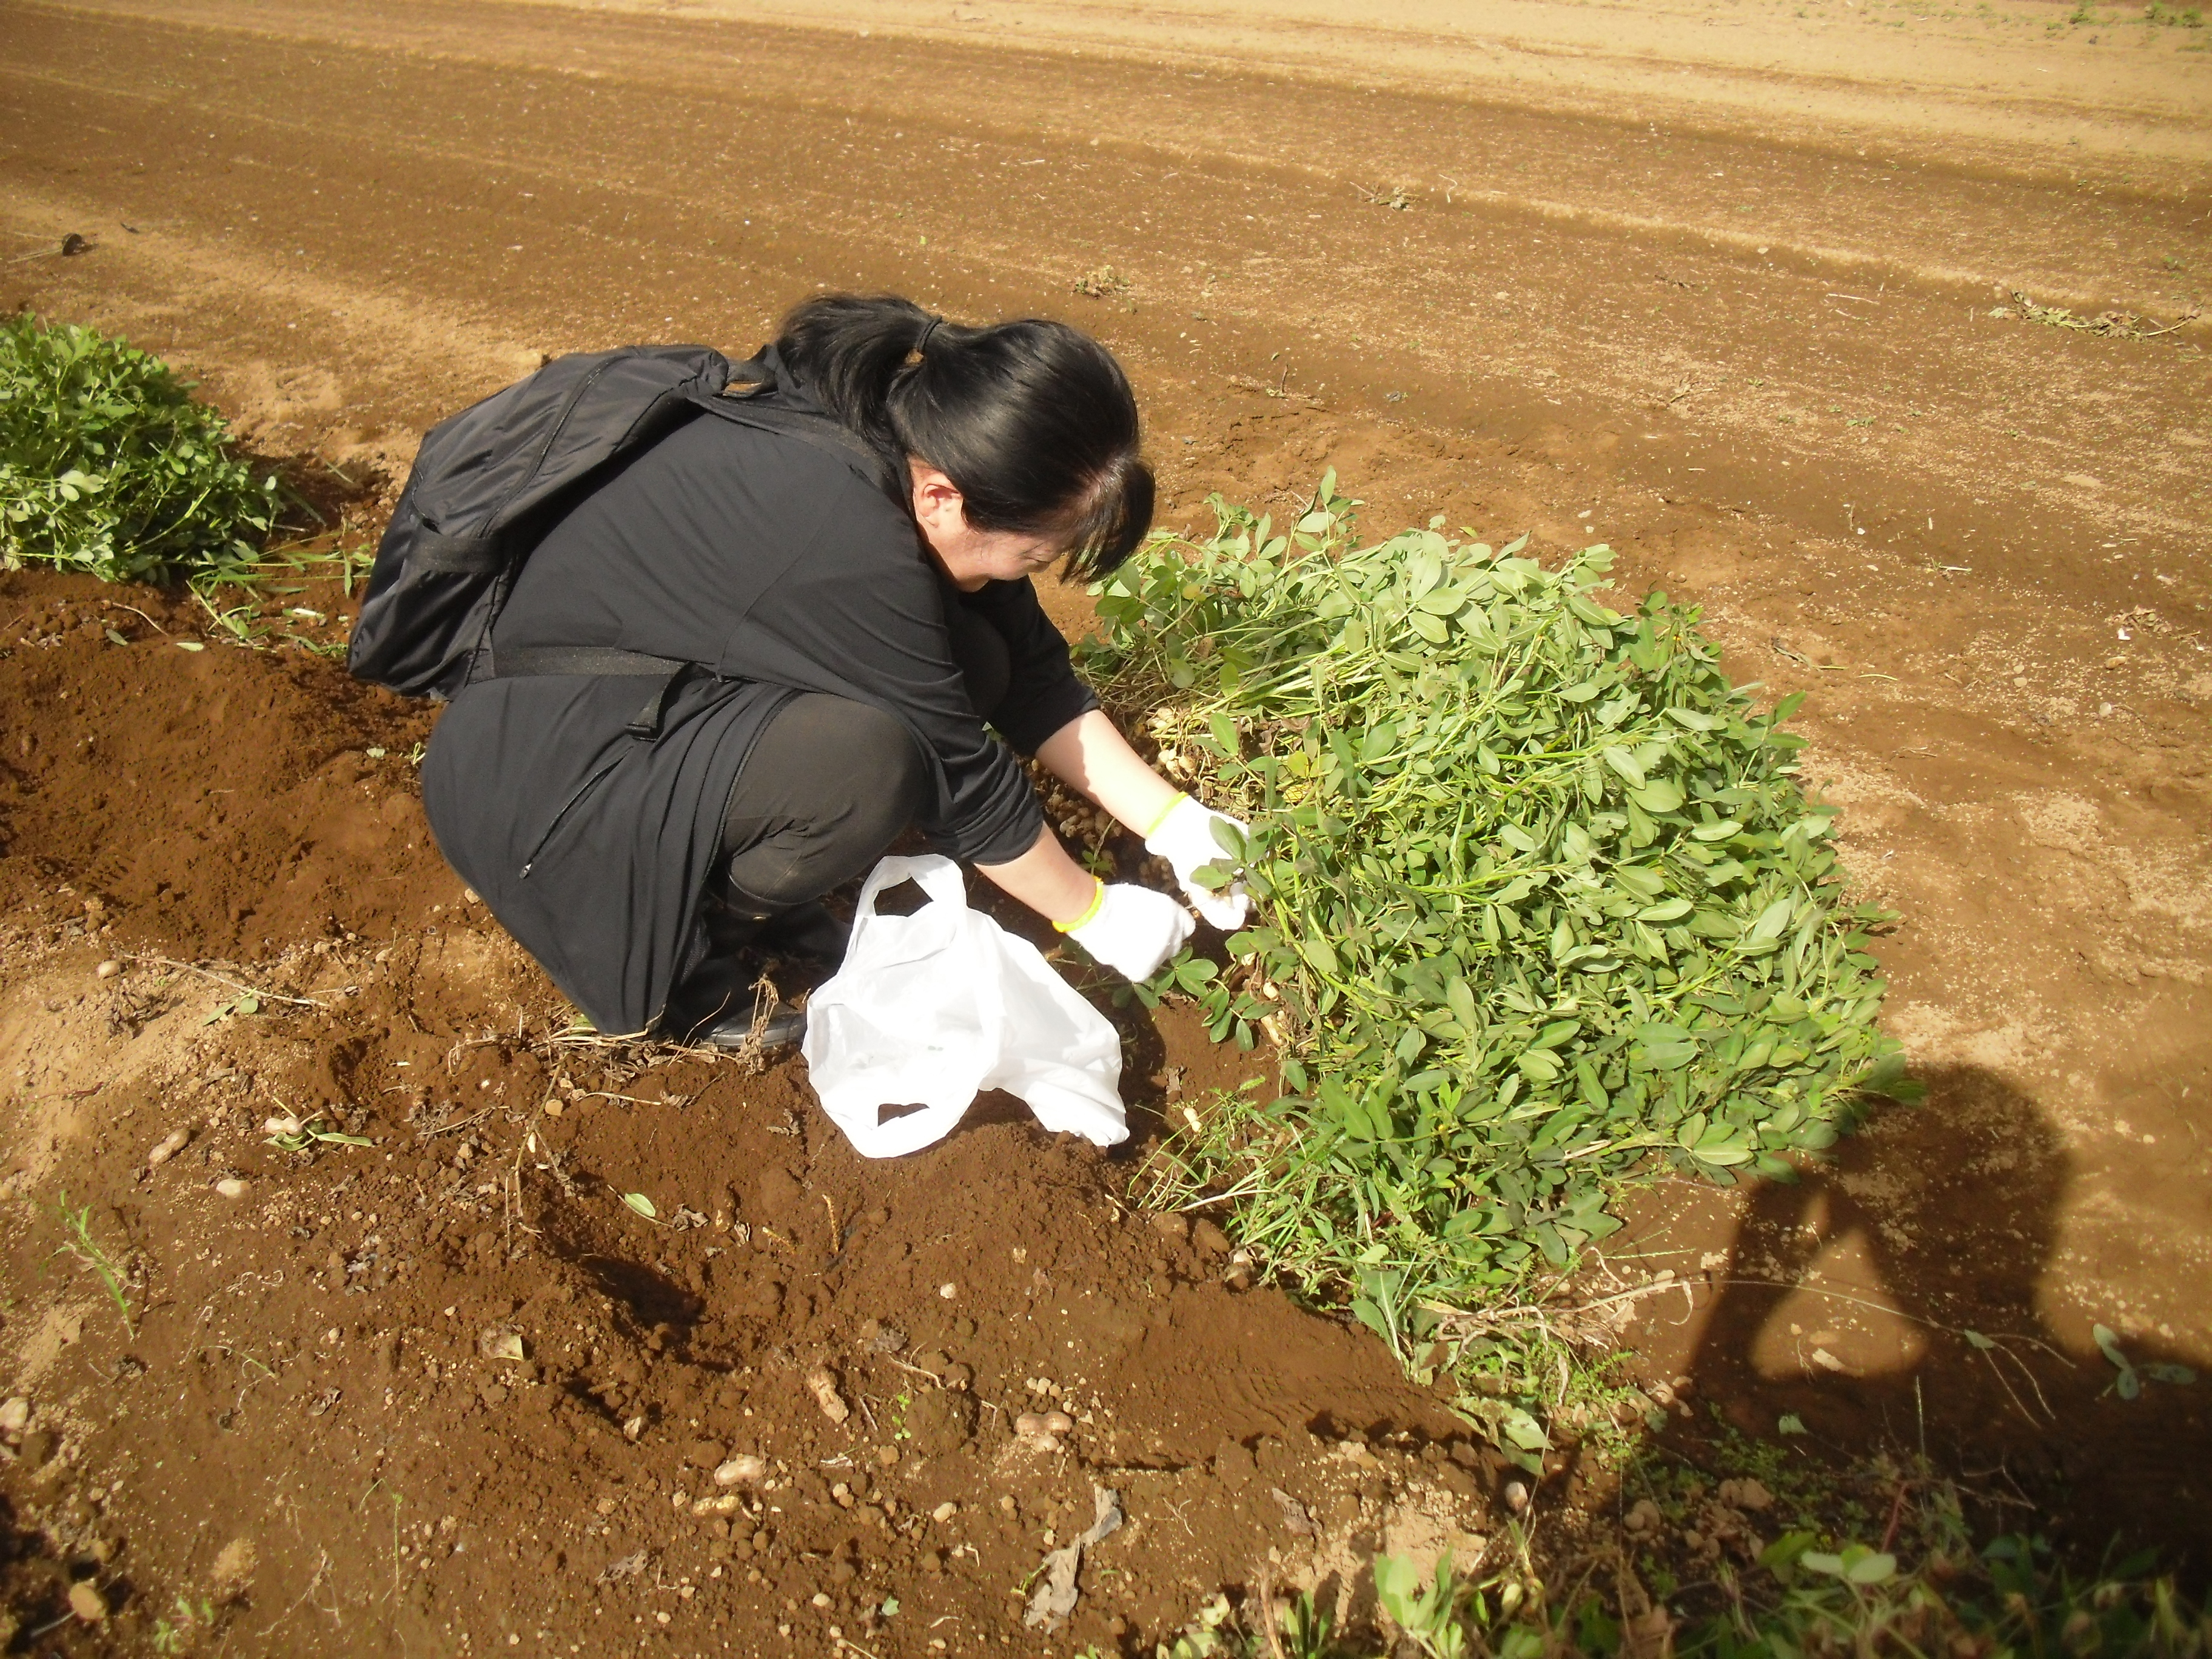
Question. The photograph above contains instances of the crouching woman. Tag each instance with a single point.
(853, 615)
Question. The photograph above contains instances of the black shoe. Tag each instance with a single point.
(808, 932)
(782, 1026)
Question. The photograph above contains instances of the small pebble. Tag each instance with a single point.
(109, 968)
(945, 1512)
(745, 1469)
(86, 1602)
(15, 1415)
(824, 1389)
(1516, 1496)
(231, 1186)
(948, 1291)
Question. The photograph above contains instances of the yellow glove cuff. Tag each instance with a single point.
(1098, 900)
(1153, 829)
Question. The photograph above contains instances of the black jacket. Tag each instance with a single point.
(778, 568)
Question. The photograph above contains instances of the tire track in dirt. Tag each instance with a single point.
(1467, 308)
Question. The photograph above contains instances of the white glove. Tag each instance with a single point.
(1184, 837)
(1133, 930)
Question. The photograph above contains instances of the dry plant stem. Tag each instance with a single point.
(1267, 1618)
(459, 1123)
(118, 604)
(1896, 1516)
(235, 985)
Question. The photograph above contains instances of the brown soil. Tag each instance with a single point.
(1715, 286)
(304, 1365)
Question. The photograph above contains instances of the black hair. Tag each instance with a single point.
(1032, 420)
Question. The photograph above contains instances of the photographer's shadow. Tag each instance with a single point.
(1898, 1297)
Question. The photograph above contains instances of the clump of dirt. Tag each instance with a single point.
(391, 1361)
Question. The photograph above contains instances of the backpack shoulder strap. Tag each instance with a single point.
(760, 409)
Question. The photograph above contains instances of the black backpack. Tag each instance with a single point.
(490, 482)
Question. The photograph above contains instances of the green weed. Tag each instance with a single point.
(191, 1618)
(109, 466)
(79, 1243)
(1930, 1589)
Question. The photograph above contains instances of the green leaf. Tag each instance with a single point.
(1538, 1065)
(1523, 1431)
(1660, 795)
(1787, 1551)
(1872, 1568)
(1672, 909)
(2108, 1342)
(642, 1205)
(1193, 974)
(1371, 1317)
(1789, 1423)
(1771, 920)
(1663, 1047)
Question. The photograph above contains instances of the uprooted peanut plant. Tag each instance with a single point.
(1540, 907)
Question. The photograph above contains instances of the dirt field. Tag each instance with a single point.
(1750, 291)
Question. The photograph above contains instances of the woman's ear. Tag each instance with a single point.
(937, 499)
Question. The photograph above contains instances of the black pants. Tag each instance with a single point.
(827, 787)
(831, 783)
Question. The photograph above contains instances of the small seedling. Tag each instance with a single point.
(246, 1004)
(190, 1618)
(2128, 1384)
(81, 1244)
(1427, 1613)
(308, 1135)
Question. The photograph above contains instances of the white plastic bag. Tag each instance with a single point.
(931, 1009)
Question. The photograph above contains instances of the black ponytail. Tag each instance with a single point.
(1033, 421)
